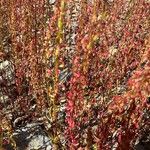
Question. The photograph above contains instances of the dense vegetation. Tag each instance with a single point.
(81, 68)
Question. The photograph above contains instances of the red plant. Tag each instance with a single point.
(91, 57)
